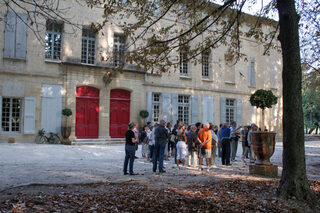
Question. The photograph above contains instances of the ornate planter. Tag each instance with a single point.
(66, 131)
(263, 145)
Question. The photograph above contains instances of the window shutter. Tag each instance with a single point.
(251, 72)
(222, 109)
(204, 109)
(9, 35)
(0, 113)
(239, 112)
(174, 108)
(149, 105)
(166, 104)
(29, 115)
(21, 36)
(210, 110)
(194, 109)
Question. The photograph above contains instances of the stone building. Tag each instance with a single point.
(38, 80)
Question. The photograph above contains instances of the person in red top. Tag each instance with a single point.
(205, 139)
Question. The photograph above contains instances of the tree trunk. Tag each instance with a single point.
(294, 182)
(262, 120)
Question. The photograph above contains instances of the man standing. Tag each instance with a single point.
(254, 128)
(205, 139)
(234, 135)
(193, 145)
(161, 138)
(225, 144)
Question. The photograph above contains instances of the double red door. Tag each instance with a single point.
(87, 112)
(119, 112)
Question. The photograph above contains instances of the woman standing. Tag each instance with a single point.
(181, 146)
(130, 150)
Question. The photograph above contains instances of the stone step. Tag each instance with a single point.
(98, 141)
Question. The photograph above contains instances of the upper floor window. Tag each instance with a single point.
(205, 65)
(155, 107)
(184, 108)
(183, 63)
(118, 49)
(88, 46)
(53, 41)
(230, 110)
(252, 72)
(11, 113)
(15, 36)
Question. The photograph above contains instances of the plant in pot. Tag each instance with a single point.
(263, 142)
(66, 127)
(144, 114)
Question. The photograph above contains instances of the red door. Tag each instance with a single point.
(87, 112)
(119, 112)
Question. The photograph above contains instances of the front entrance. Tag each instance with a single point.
(87, 112)
(119, 112)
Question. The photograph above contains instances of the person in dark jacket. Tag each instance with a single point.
(130, 150)
(161, 138)
(193, 146)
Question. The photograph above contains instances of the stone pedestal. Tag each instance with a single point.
(264, 170)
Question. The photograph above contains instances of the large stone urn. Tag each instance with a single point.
(263, 146)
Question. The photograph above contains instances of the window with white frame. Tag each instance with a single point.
(205, 65)
(230, 110)
(184, 108)
(119, 42)
(88, 46)
(183, 63)
(155, 107)
(53, 41)
(11, 113)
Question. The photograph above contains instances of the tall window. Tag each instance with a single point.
(230, 110)
(184, 108)
(53, 41)
(155, 107)
(252, 73)
(11, 108)
(88, 46)
(205, 65)
(118, 49)
(183, 63)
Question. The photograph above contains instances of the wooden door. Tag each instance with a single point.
(87, 112)
(119, 112)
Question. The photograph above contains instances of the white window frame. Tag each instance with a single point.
(230, 109)
(156, 100)
(183, 63)
(119, 42)
(11, 115)
(88, 48)
(205, 66)
(184, 108)
(50, 44)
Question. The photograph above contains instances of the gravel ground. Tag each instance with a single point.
(23, 164)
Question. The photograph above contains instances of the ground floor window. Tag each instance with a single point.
(11, 114)
(184, 108)
(155, 107)
(230, 110)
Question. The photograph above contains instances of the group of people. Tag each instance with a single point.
(199, 142)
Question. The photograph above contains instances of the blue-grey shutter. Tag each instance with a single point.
(251, 72)
(174, 108)
(21, 36)
(210, 110)
(166, 104)
(9, 35)
(204, 109)
(149, 105)
(194, 109)
(29, 115)
(0, 112)
(239, 112)
(222, 109)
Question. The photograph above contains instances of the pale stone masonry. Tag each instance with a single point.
(34, 90)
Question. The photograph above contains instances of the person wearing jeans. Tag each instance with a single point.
(225, 144)
(161, 138)
(130, 150)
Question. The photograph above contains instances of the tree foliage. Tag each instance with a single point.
(263, 99)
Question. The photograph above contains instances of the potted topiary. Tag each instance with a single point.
(263, 142)
(66, 127)
(144, 114)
